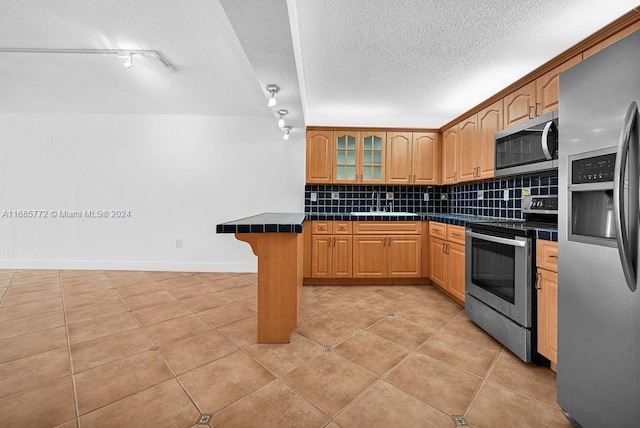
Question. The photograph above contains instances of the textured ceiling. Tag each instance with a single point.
(409, 63)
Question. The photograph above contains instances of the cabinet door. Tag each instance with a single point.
(369, 256)
(342, 257)
(425, 158)
(398, 158)
(548, 88)
(321, 256)
(548, 314)
(450, 155)
(466, 149)
(345, 164)
(520, 105)
(319, 156)
(371, 157)
(455, 270)
(404, 256)
(438, 262)
(489, 122)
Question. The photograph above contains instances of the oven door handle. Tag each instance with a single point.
(497, 239)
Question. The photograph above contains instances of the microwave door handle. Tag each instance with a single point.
(496, 239)
(545, 145)
(628, 250)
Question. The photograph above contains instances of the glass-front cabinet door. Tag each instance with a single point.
(359, 157)
(346, 153)
(372, 167)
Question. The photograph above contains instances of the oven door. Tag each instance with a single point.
(498, 273)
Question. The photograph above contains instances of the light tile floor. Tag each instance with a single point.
(158, 349)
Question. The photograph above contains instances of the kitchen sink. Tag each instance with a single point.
(383, 213)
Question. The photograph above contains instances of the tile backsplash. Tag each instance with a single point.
(485, 198)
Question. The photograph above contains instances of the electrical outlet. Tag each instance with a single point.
(389, 196)
(444, 197)
(314, 197)
(335, 195)
(480, 195)
(178, 243)
(505, 195)
(526, 191)
(426, 197)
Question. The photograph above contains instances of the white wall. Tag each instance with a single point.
(179, 176)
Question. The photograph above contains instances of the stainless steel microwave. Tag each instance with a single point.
(528, 147)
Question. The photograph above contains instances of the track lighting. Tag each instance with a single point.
(126, 57)
(287, 130)
(273, 89)
(282, 114)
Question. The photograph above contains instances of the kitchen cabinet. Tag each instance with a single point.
(520, 105)
(387, 249)
(489, 122)
(467, 141)
(548, 86)
(331, 249)
(412, 158)
(547, 289)
(447, 254)
(450, 155)
(358, 157)
(319, 157)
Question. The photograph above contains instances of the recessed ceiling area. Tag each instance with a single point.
(410, 63)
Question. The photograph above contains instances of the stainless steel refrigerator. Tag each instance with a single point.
(598, 295)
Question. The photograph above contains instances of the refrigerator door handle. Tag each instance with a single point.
(545, 143)
(627, 229)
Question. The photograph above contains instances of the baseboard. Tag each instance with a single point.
(127, 265)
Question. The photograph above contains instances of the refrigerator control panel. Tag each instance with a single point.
(597, 169)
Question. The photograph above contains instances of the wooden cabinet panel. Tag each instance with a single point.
(398, 158)
(548, 314)
(489, 122)
(425, 158)
(307, 249)
(342, 258)
(547, 255)
(387, 227)
(548, 89)
(319, 156)
(455, 270)
(455, 234)
(520, 105)
(438, 260)
(342, 227)
(321, 256)
(467, 149)
(438, 230)
(426, 251)
(369, 256)
(321, 227)
(404, 256)
(450, 155)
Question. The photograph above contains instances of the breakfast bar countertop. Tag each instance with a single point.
(264, 223)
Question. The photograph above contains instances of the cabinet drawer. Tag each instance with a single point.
(387, 227)
(455, 234)
(342, 228)
(321, 228)
(437, 230)
(547, 255)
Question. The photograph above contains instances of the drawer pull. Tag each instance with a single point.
(553, 256)
(538, 278)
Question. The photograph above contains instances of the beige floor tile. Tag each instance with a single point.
(501, 407)
(359, 315)
(162, 312)
(223, 315)
(195, 351)
(243, 292)
(88, 278)
(111, 382)
(176, 329)
(181, 281)
(529, 379)
(91, 287)
(274, 406)
(327, 331)
(48, 405)
(14, 348)
(40, 307)
(138, 289)
(406, 293)
(34, 370)
(439, 384)
(189, 291)
(405, 332)
(161, 276)
(214, 276)
(372, 352)
(202, 302)
(145, 300)
(73, 423)
(282, 357)
(231, 282)
(20, 299)
(465, 328)
(96, 310)
(102, 297)
(386, 304)
(330, 382)
(96, 352)
(243, 333)
(41, 286)
(162, 406)
(129, 279)
(31, 324)
(462, 353)
(224, 381)
(432, 316)
(100, 327)
(387, 406)
(26, 278)
(251, 303)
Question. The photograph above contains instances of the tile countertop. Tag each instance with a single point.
(456, 219)
(265, 223)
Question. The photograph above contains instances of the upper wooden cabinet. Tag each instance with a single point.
(412, 158)
(520, 105)
(467, 143)
(358, 157)
(319, 156)
(548, 87)
(489, 122)
(450, 155)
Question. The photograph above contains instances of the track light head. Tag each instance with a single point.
(287, 130)
(273, 89)
(282, 114)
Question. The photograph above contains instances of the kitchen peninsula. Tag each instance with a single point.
(276, 238)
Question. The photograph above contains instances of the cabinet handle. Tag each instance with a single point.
(455, 233)
(531, 112)
(538, 277)
(414, 179)
(538, 105)
(553, 256)
(334, 242)
(455, 176)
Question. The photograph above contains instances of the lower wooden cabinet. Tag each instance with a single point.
(387, 256)
(547, 288)
(447, 258)
(332, 255)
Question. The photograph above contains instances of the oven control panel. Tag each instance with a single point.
(547, 204)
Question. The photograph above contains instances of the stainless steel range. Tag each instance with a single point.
(500, 275)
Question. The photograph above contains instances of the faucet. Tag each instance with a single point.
(375, 196)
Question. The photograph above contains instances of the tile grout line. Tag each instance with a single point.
(484, 381)
(71, 370)
(4, 296)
